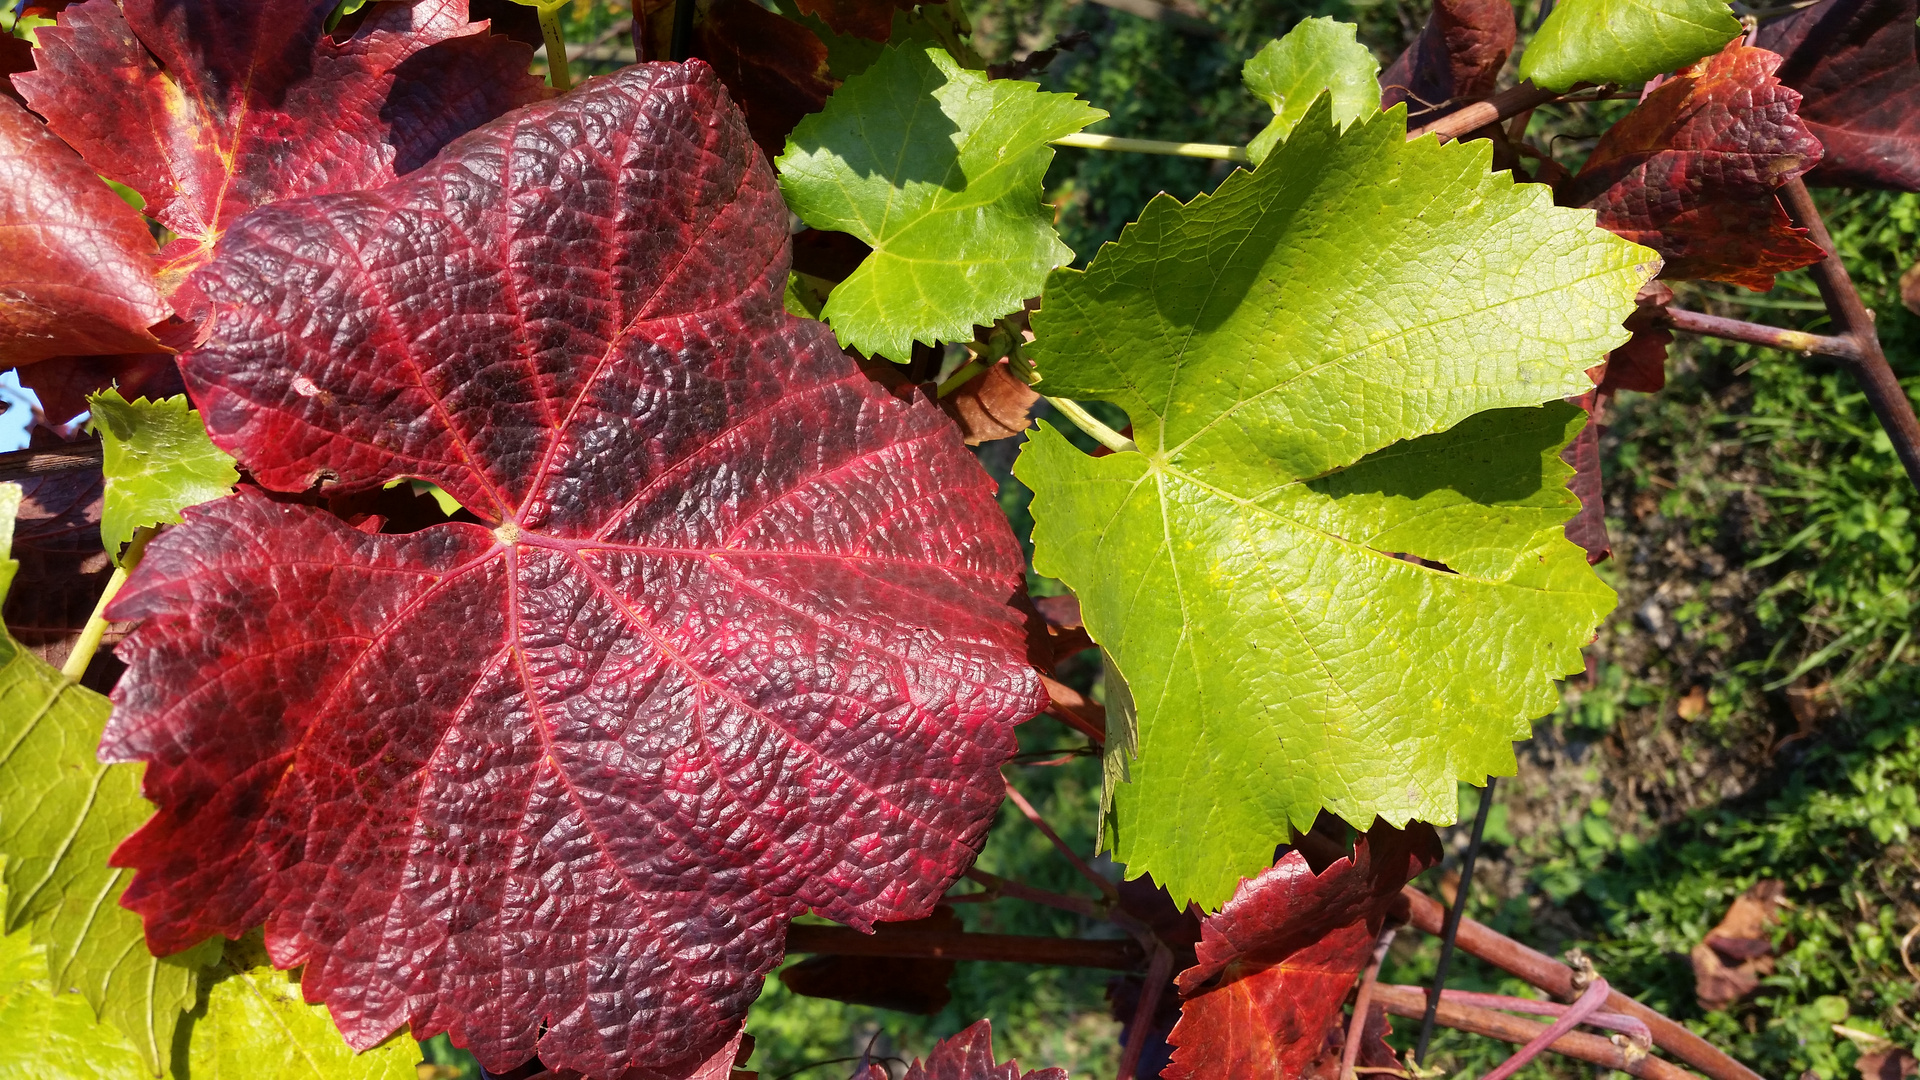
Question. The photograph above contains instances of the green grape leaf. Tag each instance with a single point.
(1317, 56)
(53, 1036)
(937, 168)
(257, 1027)
(10, 498)
(159, 461)
(1327, 581)
(1624, 41)
(61, 814)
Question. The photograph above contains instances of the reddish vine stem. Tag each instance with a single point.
(1159, 970)
(1362, 1001)
(1695, 322)
(1106, 887)
(1590, 1001)
(1849, 313)
(892, 939)
(1410, 1001)
(1556, 979)
(1019, 890)
(1507, 103)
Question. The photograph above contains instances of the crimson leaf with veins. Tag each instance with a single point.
(734, 643)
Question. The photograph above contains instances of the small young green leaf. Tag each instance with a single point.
(159, 461)
(1327, 581)
(10, 496)
(937, 168)
(1624, 41)
(1317, 56)
(49, 1035)
(257, 1027)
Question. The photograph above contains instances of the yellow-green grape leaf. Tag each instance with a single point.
(938, 169)
(49, 1036)
(1624, 41)
(1317, 56)
(1332, 571)
(159, 461)
(61, 814)
(10, 497)
(256, 1027)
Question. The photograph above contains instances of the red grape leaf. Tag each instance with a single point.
(1455, 61)
(774, 67)
(732, 644)
(1588, 528)
(76, 262)
(967, 1056)
(1691, 172)
(872, 19)
(1276, 963)
(1855, 65)
(213, 108)
(1640, 364)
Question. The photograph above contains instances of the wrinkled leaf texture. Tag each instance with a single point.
(76, 262)
(209, 109)
(733, 644)
(1855, 64)
(1274, 966)
(1691, 172)
(1455, 61)
(967, 1056)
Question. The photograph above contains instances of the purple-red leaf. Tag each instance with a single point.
(1276, 963)
(774, 67)
(967, 1056)
(212, 108)
(76, 262)
(1691, 172)
(871, 19)
(1455, 61)
(732, 644)
(1854, 63)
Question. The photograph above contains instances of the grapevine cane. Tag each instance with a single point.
(1362, 1001)
(1453, 921)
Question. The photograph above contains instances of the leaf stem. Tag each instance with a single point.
(1086, 422)
(557, 72)
(96, 628)
(1106, 887)
(894, 939)
(959, 378)
(1214, 151)
(1020, 890)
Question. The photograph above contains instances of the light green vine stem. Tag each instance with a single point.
(557, 72)
(1215, 151)
(96, 627)
(959, 378)
(1085, 421)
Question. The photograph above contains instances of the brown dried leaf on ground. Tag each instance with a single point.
(1892, 1063)
(1729, 964)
